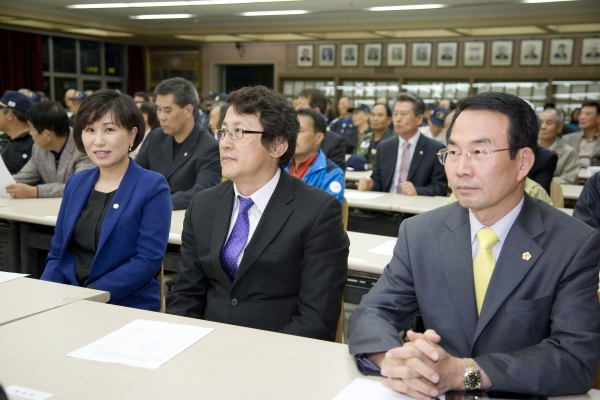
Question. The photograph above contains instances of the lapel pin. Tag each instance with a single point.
(526, 256)
(116, 206)
(185, 154)
(421, 152)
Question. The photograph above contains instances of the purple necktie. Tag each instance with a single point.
(404, 166)
(237, 240)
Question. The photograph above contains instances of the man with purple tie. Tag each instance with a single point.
(263, 249)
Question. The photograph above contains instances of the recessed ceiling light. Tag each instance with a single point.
(408, 7)
(545, 1)
(172, 3)
(269, 13)
(162, 16)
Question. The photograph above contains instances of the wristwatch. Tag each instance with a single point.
(472, 376)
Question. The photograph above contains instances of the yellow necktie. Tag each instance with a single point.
(483, 264)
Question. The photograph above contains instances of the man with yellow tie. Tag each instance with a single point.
(506, 284)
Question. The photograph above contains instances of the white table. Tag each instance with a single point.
(230, 363)
(23, 297)
(355, 176)
(382, 201)
(572, 192)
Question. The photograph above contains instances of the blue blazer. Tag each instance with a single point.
(133, 238)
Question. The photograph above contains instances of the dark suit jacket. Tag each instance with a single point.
(196, 166)
(334, 148)
(425, 172)
(293, 271)
(587, 208)
(543, 167)
(539, 328)
(132, 241)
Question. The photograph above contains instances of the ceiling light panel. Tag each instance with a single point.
(575, 28)
(172, 3)
(407, 7)
(273, 13)
(162, 16)
(418, 33)
(503, 30)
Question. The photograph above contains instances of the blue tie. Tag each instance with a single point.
(237, 240)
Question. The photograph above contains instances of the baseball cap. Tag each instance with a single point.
(357, 163)
(16, 100)
(216, 97)
(79, 96)
(439, 115)
(362, 107)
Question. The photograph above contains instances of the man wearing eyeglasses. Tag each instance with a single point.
(263, 249)
(186, 154)
(506, 284)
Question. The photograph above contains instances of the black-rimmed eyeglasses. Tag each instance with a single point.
(234, 134)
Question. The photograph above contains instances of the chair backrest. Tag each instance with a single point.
(161, 292)
(339, 332)
(345, 213)
(597, 383)
(556, 194)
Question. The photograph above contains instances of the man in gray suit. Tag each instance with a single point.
(186, 154)
(517, 313)
(54, 156)
(587, 141)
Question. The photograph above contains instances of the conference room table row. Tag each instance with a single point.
(230, 362)
(355, 176)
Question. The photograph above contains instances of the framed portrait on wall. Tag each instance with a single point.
(447, 53)
(396, 54)
(502, 53)
(349, 55)
(590, 51)
(327, 55)
(305, 55)
(372, 55)
(561, 52)
(474, 54)
(531, 52)
(421, 54)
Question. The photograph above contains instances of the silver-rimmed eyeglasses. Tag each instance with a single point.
(234, 134)
(447, 156)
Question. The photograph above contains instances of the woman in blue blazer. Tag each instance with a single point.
(114, 220)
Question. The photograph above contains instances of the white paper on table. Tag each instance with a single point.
(141, 343)
(362, 195)
(361, 389)
(386, 248)
(9, 276)
(5, 179)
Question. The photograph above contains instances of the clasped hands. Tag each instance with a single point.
(421, 368)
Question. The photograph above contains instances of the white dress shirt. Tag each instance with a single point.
(260, 198)
(413, 145)
(500, 228)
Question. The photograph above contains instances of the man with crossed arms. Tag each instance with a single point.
(505, 283)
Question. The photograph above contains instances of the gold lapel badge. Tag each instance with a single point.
(185, 154)
(115, 206)
(526, 256)
(421, 152)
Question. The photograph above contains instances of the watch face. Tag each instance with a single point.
(472, 381)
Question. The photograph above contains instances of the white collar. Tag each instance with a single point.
(262, 196)
(501, 227)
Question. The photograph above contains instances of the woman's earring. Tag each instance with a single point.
(130, 146)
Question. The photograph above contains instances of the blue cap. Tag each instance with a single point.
(79, 96)
(16, 100)
(362, 107)
(216, 97)
(39, 96)
(438, 115)
(357, 163)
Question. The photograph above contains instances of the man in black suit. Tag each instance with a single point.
(185, 154)
(408, 163)
(263, 249)
(334, 145)
(543, 168)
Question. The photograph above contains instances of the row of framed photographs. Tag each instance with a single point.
(501, 55)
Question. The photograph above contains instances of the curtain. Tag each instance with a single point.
(22, 63)
(136, 73)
